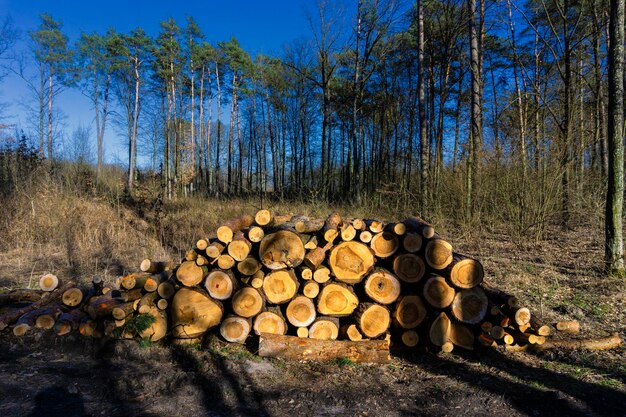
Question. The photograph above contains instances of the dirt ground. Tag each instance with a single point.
(42, 375)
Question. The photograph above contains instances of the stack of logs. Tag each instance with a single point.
(315, 279)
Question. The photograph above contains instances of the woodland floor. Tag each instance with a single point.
(41, 375)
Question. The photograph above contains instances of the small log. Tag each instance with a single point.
(605, 343)
(97, 284)
(145, 303)
(336, 300)
(351, 261)
(324, 328)
(280, 286)
(270, 321)
(295, 348)
(152, 283)
(239, 248)
(255, 234)
(202, 260)
(235, 329)
(522, 315)
(412, 242)
(348, 232)
(162, 304)
(571, 326)
(330, 231)
(437, 292)
(350, 332)
(248, 302)
(321, 275)
(49, 282)
(410, 338)
(384, 244)
(256, 281)
(69, 321)
(189, 274)
(302, 332)
(201, 245)
(497, 332)
(438, 253)
(461, 336)
(439, 332)
(540, 328)
(72, 297)
(156, 267)
(470, 306)
(282, 249)
(315, 257)
(358, 224)
(126, 296)
(135, 280)
(48, 316)
(409, 312)
(20, 296)
(306, 274)
(311, 243)
(373, 319)
(88, 327)
(215, 249)
(193, 312)
(25, 323)
(121, 311)
(486, 340)
(300, 311)
(264, 217)
(397, 228)
(311, 289)
(465, 272)
(220, 284)
(166, 289)
(409, 267)
(382, 286)
(374, 226)
(225, 261)
(191, 255)
(447, 347)
(248, 266)
(417, 225)
(365, 236)
(158, 329)
(227, 230)
(306, 225)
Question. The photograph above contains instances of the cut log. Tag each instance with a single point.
(348, 232)
(256, 281)
(202, 260)
(280, 286)
(155, 267)
(437, 292)
(497, 332)
(412, 242)
(255, 234)
(25, 323)
(306, 225)
(193, 312)
(397, 228)
(283, 249)
(438, 253)
(571, 326)
(439, 332)
(264, 217)
(191, 255)
(417, 225)
(248, 302)
(409, 338)
(365, 236)
(382, 286)
(103, 306)
(162, 304)
(48, 316)
(220, 284)
(470, 306)
(152, 283)
(301, 312)
(145, 303)
(126, 296)
(605, 343)
(158, 329)
(540, 328)
(409, 312)
(72, 297)
(97, 283)
(461, 336)
(324, 328)
(302, 332)
(486, 340)
(239, 248)
(522, 315)
(373, 319)
(135, 280)
(235, 329)
(20, 296)
(311, 243)
(351, 261)
(465, 272)
(270, 321)
(201, 245)
(225, 261)
(331, 227)
(121, 311)
(358, 224)
(321, 275)
(189, 274)
(336, 300)
(295, 348)
(88, 327)
(166, 289)
(384, 244)
(315, 257)
(374, 226)
(306, 274)
(227, 230)
(311, 289)
(49, 282)
(350, 332)
(69, 321)
(447, 347)
(249, 266)
(499, 297)
(409, 267)
(214, 250)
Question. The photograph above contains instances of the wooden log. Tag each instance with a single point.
(570, 326)
(300, 311)
(540, 328)
(522, 315)
(437, 292)
(358, 224)
(461, 336)
(464, 272)
(604, 343)
(324, 328)
(447, 347)
(382, 286)
(156, 267)
(282, 249)
(296, 348)
(439, 332)
(25, 323)
(314, 258)
(486, 340)
(306, 225)
(189, 274)
(191, 255)
(397, 228)
(48, 316)
(350, 332)
(225, 261)
(470, 306)
(248, 302)
(145, 303)
(239, 248)
(88, 327)
(499, 297)
(220, 284)
(158, 329)
(497, 332)
(215, 249)
(336, 299)
(126, 296)
(410, 338)
(197, 341)
(227, 230)
(321, 275)
(248, 266)
(162, 304)
(280, 286)
(311, 243)
(12, 315)
(97, 284)
(235, 329)
(365, 236)
(193, 312)
(49, 282)
(255, 234)
(409, 312)
(202, 260)
(351, 261)
(330, 231)
(270, 321)
(348, 232)
(409, 267)
(438, 253)
(373, 319)
(121, 311)
(256, 281)
(374, 226)
(384, 244)
(20, 296)
(72, 297)
(166, 289)
(412, 242)
(306, 274)
(264, 217)
(201, 245)
(311, 289)
(152, 283)
(302, 332)
(417, 225)
(69, 321)
(135, 280)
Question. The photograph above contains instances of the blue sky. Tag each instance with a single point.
(260, 26)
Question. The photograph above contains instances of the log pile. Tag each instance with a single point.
(299, 283)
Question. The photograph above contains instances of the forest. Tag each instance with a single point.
(478, 112)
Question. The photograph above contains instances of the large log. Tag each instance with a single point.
(351, 261)
(412, 242)
(470, 306)
(460, 335)
(438, 253)
(235, 329)
(249, 266)
(437, 292)
(48, 316)
(324, 328)
(301, 311)
(465, 272)
(248, 302)
(373, 319)
(306, 225)
(280, 286)
(336, 300)
(409, 312)
(382, 286)
(409, 267)
(72, 297)
(311, 289)
(282, 249)
(270, 321)
(158, 329)
(193, 312)
(19, 296)
(155, 267)
(296, 348)
(189, 274)
(239, 248)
